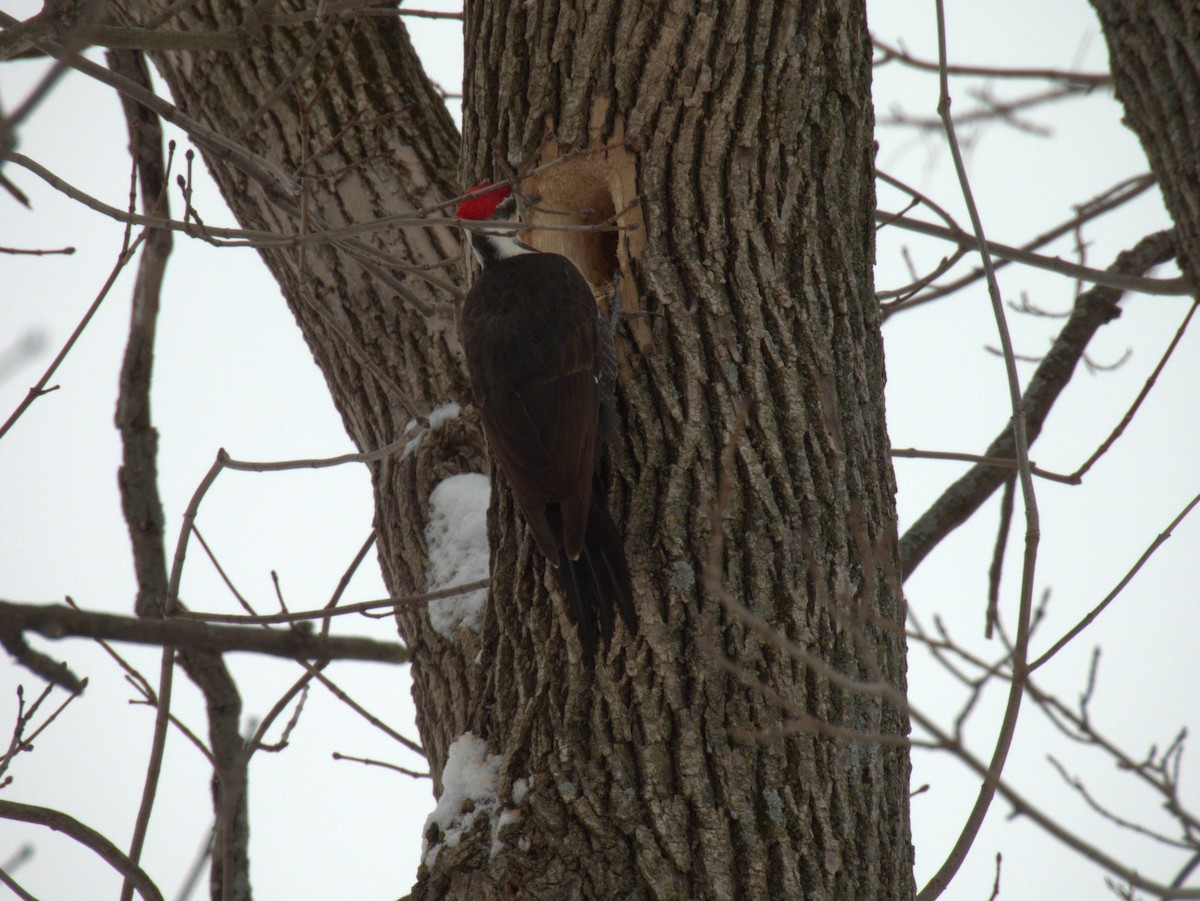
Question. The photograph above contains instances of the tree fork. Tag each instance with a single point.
(750, 131)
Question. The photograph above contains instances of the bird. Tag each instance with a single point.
(540, 363)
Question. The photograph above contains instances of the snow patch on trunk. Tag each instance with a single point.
(468, 791)
(438, 417)
(442, 414)
(456, 536)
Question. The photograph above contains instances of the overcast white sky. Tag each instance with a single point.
(233, 372)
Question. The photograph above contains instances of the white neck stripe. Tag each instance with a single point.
(490, 247)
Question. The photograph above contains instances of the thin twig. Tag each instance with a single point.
(1077, 784)
(987, 790)
(899, 54)
(1093, 309)
(19, 36)
(260, 169)
(994, 109)
(277, 94)
(40, 387)
(162, 721)
(21, 742)
(326, 612)
(1000, 462)
(1161, 287)
(1137, 402)
(240, 237)
(212, 558)
(57, 621)
(1159, 540)
(997, 567)
(391, 766)
(1108, 200)
(37, 251)
(15, 887)
(344, 581)
(375, 721)
(196, 870)
(315, 671)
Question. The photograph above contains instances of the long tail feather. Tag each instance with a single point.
(597, 584)
(576, 584)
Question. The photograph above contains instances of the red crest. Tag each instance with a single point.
(483, 206)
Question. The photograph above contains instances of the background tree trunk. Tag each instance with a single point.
(749, 130)
(1154, 53)
(377, 141)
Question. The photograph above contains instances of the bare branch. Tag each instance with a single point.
(287, 83)
(67, 20)
(326, 612)
(1133, 408)
(994, 109)
(90, 838)
(1020, 446)
(391, 766)
(22, 742)
(18, 39)
(37, 252)
(1162, 287)
(162, 720)
(265, 172)
(1105, 202)
(1001, 462)
(996, 885)
(344, 581)
(1093, 309)
(997, 567)
(233, 237)
(40, 387)
(15, 887)
(899, 54)
(347, 9)
(57, 621)
(1078, 786)
(1125, 580)
(53, 671)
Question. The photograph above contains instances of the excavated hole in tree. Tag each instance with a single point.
(577, 193)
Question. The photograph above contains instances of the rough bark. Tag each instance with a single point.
(750, 131)
(1154, 54)
(377, 141)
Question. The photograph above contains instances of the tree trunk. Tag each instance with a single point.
(1154, 54)
(750, 133)
(745, 131)
(377, 141)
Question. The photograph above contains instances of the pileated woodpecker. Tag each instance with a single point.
(539, 365)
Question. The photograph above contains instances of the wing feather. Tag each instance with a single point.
(534, 358)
